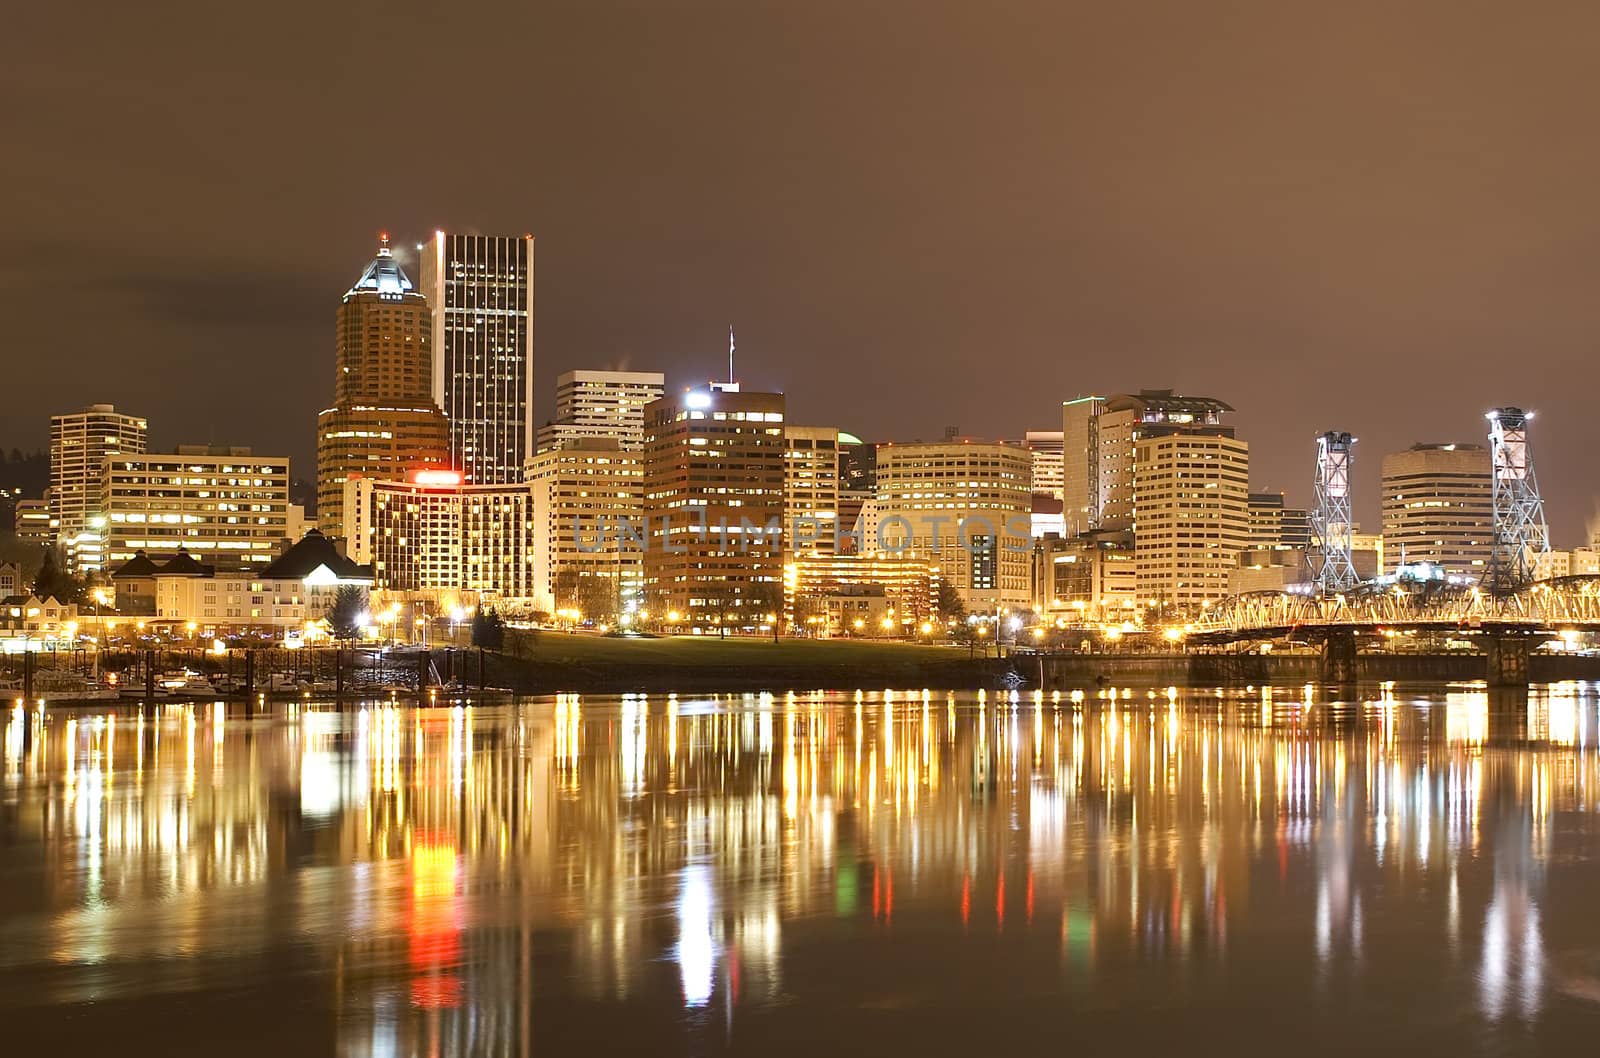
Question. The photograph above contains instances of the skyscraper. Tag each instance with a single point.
(481, 291)
(1438, 506)
(713, 493)
(602, 404)
(80, 444)
(384, 421)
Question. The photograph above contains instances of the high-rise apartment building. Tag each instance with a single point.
(1049, 461)
(967, 505)
(810, 490)
(227, 507)
(602, 404)
(384, 421)
(714, 496)
(588, 518)
(435, 537)
(1438, 507)
(481, 290)
(1190, 504)
(81, 443)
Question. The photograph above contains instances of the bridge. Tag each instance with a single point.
(1507, 627)
(1511, 612)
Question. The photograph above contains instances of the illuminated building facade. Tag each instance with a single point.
(1085, 578)
(298, 587)
(1438, 507)
(825, 592)
(226, 506)
(602, 405)
(81, 443)
(967, 504)
(1191, 504)
(810, 490)
(433, 534)
(481, 290)
(587, 496)
(714, 497)
(384, 421)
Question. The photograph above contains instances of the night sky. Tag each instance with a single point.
(1375, 217)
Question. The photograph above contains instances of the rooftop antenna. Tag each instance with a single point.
(730, 352)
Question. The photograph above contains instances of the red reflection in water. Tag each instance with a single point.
(433, 927)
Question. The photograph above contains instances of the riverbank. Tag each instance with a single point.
(546, 662)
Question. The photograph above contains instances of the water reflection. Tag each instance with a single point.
(759, 870)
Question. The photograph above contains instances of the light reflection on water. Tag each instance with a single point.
(897, 868)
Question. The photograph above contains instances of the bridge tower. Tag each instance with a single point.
(1520, 531)
(1330, 560)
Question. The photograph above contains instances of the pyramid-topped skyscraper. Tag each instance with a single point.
(384, 422)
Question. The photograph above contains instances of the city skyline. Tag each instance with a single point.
(991, 257)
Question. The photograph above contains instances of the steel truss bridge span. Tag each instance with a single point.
(1546, 608)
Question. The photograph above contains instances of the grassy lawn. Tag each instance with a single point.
(692, 651)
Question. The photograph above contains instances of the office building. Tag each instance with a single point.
(1049, 461)
(811, 490)
(1080, 463)
(1270, 568)
(1086, 579)
(603, 405)
(436, 537)
(858, 464)
(384, 421)
(80, 445)
(480, 288)
(1438, 507)
(966, 504)
(588, 519)
(1273, 524)
(714, 496)
(226, 506)
(827, 594)
(1190, 505)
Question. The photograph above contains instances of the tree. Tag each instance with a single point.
(597, 598)
(950, 604)
(564, 586)
(55, 582)
(488, 630)
(766, 597)
(349, 607)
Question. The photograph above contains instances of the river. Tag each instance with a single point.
(1137, 870)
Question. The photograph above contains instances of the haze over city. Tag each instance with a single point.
(1364, 217)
